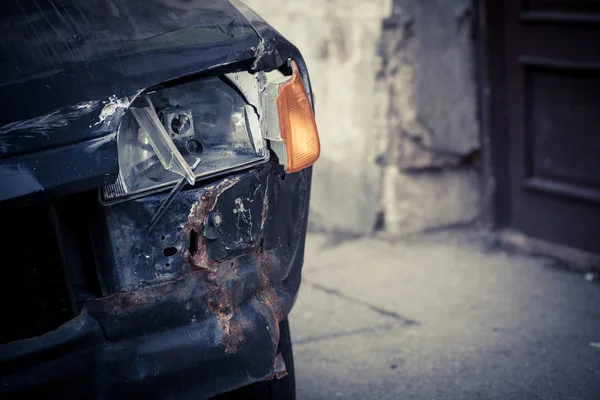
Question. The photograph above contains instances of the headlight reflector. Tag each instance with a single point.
(205, 118)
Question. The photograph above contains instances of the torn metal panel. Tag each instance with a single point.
(243, 203)
(219, 303)
(233, 254)
(199, 222)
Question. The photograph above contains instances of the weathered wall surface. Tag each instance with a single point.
(395, 105)
(429, 104)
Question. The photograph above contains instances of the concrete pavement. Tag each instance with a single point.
(442, 316)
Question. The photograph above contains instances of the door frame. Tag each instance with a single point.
(489, 29)
(490, 67)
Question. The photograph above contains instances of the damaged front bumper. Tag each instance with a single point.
(193, 310)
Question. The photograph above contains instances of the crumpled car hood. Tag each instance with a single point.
(41, 39)
(59, 57)
(69, 69)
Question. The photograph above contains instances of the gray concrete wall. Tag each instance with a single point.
(430, 151)
(395, 106)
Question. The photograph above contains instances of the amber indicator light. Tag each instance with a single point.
(297, 124)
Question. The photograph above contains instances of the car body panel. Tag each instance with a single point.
(195, 321)
(69, 70)
(207, 324)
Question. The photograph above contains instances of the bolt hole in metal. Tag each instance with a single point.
(193, 242)
(170, 251)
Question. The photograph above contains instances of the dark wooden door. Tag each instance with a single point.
(544, 69)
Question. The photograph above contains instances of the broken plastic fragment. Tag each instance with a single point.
(279, 367)
(170, 158)
(253, 126)
(167, 202)
(250, 85)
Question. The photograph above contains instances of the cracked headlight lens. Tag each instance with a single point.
(166, 131)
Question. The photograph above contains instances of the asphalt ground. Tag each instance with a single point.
(442, 316)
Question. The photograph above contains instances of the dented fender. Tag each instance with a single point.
(200, 293)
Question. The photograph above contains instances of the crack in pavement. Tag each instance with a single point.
(379, 310)
(336, 335)
(312, 267)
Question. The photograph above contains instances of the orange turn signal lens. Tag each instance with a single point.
(297, 124)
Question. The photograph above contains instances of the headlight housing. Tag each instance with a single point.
(206, 119)
(224, 123)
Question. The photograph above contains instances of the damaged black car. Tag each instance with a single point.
(155, 174)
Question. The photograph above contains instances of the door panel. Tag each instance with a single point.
(552, 62)
(572, 122)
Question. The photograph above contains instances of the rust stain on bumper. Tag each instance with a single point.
(222, 296)
(197, 222)
(231, 271)
(218, 298)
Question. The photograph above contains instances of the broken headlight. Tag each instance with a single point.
(167, 131)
